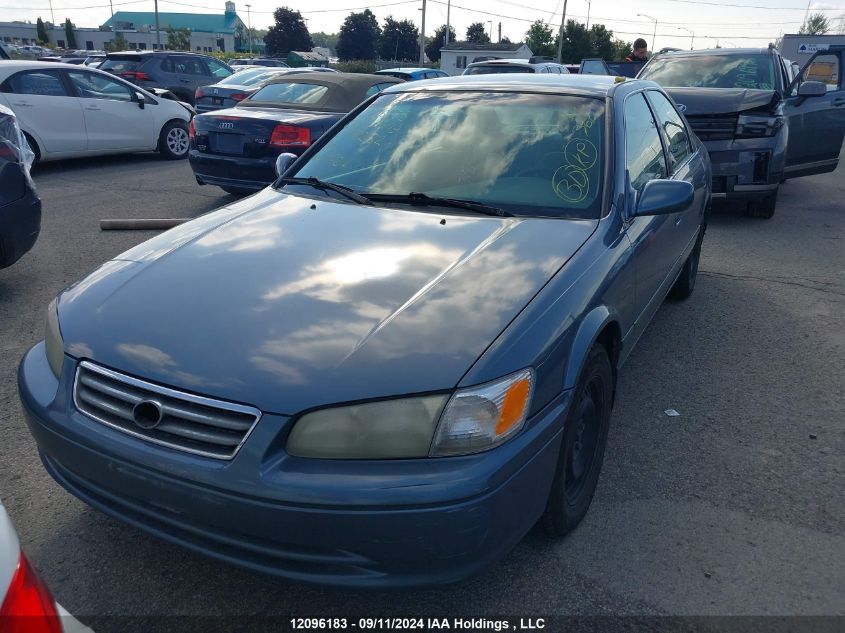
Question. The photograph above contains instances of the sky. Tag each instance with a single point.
(726, 22)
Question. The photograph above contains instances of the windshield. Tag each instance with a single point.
(249, 77)
(752, 71)
(496, 69)
(529, 154)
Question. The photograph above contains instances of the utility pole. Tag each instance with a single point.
(560, 35)
(422, 36)
(653, 37)
(249, 28)
(158, 33)
(111, 8)
(52, 17)
(692, 34)
(448, 25)
(589, 6)
(490, 22)
(500, 32)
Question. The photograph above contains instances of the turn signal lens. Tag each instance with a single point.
(53, 343)
(192, 130)
(483, 417)
(238, 96)
(28, 606)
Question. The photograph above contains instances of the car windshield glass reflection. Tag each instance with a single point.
(528, 154)
(753, 72)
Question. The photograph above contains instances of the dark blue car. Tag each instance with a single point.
(386, 368)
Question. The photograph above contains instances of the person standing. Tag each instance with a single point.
(640, 53)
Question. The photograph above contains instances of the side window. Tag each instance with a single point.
(46, 83)
(643, 150)
(377, 88)
(167, 65)
(673, 126)
(217, 69)
(96, 86)
(461, 61)
(188, 66)
(824, 68)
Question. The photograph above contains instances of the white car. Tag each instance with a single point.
(69, 111)
(533, 65)
(26, 603)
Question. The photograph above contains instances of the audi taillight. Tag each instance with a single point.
(28, 607)
(290, 136)
(198, 93)
(135, 75)
(238, 96)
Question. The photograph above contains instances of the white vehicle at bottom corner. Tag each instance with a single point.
(69, 111)
(26, 603)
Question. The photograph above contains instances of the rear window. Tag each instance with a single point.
(120, 64)
(250, 77)
(291, 93)
(750, 71)
(497, 69)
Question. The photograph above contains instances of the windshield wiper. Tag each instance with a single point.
(325, 186)
(434, 201)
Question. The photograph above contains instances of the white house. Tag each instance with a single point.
(455, 56)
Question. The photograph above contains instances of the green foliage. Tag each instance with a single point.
(432, 49)
(621, 49)
(579, 43)
(356, 66)
(399, 40)
(541, 39)
(328, 40)
(116, 45)
(358, 36)
(289, 33)
(70, 35)
(178, 39)
(815, 24)
(41, 32)
(477, 34)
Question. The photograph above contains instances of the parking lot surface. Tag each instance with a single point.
(735, 506)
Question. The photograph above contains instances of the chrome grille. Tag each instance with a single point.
(715, 127)
(179, 420)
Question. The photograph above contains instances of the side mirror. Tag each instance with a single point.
(812, 89)
(141, 99)
(661, 197)
(283, 162)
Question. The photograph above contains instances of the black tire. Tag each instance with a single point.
(173, 142)
(34, 147)
(685, 283)
(763, 208)
(237, 191)
(582, 448)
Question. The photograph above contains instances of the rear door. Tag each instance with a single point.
(816, 124)
(113, 119)
(47, 109)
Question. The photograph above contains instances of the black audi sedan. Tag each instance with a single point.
(236, 149)
(20, 207)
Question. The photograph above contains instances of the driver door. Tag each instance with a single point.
(816, 124)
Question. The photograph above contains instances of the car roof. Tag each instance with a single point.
(587, 85)
(20, 64)
(717, 51)
(349, 92)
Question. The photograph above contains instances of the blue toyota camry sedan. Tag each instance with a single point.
(384, 369)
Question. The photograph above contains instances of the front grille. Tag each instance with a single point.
(714, 127)
(160, 415)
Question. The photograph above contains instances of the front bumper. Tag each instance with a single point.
(379, 523)
(747, 168)
(20, 224)
(232, 171)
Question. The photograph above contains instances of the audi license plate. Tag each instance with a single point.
(228, 143)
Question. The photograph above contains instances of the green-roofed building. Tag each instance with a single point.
(210, 32)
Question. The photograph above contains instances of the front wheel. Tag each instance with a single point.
(582, 448)
(763, 208)
(173, 142)
(685, 283)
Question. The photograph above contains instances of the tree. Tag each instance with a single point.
(477, 34)
(41, 32)
(621, 49)
(540, 39)
(70, 35)
(505, 40)
(601, 42)
(432, 49)
(399, 40)
(576, 42)
(289, 33)
(178, 39)
(359, 36)
(327, 40)
(118, 44)
(815, 24)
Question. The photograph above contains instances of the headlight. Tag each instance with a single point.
(53, 339)
(480, 418)
(473, 420)
(751, 125)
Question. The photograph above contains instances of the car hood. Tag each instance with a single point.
(287, 303)
(698, 101)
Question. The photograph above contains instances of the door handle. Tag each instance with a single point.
(22, 104)
(837, 102)
(92, 107)
(185, 81)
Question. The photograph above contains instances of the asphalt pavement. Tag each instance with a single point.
(735, 506)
